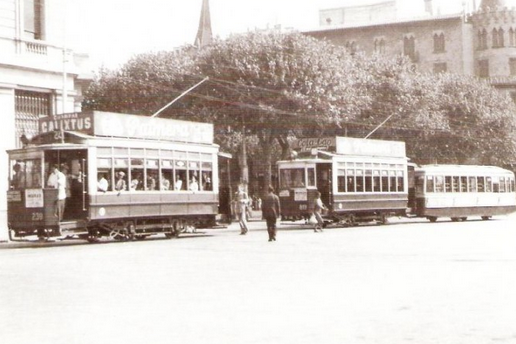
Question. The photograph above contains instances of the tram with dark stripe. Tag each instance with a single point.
(169, 170)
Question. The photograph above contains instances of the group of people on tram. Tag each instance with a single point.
(137, 183)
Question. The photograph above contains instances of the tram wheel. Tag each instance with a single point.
(432, 218)
(140, 237)
(464, 218)
(382, 220)
(455, 219)
(485, 218)
(350, 220)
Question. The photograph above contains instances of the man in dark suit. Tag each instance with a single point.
(271, 211)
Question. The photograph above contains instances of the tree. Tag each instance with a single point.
(267, 88)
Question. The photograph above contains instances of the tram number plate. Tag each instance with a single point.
(36, 217)
(303, 207)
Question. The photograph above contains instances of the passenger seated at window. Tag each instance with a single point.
(102, 184)
(120, 184)
(165, 183)
(136, 183)
(194, 186)
(207, 183)
(179, 183)
(151, 181)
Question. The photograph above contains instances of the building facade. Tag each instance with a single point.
(478, 41)
(39, 76)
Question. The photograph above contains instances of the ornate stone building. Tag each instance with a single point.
(479, 41)
(39, 77)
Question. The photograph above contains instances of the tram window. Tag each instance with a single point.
(480, 184)
(152, 181)
(120, 151)
(429, 183)
(167, 175)
(299, 178)
(136, 180)
(463, 184)
(180, 178)
(376, 181)
(120, 180)
(103, 178)
(512, 185)
(401, 181)
(193, 176)
(121, 163)
(137, 152)
(104, 151)
(368, 180)
(439, 183)
(292, 178)
(455, 184)
(311, 176)
(350, 180)
(448, 184)
(151, 152)
(472, 184)
(180, 155)
(206, 180)
(496, 184)
(489, 184)
(420, 184)
(392, 181)
(341, 180)
(385, 181)
(503, 185)
(167, 153)
(360, 186)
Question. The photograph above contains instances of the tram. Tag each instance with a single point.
(127, 176)
(364, 180)
(359, 180)
(459, 191)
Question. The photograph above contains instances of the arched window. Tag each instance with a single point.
(409, 47)
(439, 45)
(512, 41)
(495, 38)
(482, 39)
(501, 43)
(379, 45)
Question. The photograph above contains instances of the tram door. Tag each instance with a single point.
(73, 164)
(323, 172)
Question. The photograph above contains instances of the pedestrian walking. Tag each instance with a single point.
(271, 211)
(242, 200)
(318, 208)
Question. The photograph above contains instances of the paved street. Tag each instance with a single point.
(401, 283)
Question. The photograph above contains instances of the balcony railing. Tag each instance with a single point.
(36, 48)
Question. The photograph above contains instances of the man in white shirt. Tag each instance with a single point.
(57, 180)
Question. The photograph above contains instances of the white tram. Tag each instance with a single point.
(127, 176)
(460, 191)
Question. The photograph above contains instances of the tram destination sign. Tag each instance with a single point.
(80, 122)
(131, 126)
(323, 143)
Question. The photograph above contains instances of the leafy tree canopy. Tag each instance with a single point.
(279, 86)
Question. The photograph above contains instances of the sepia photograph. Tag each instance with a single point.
(258, 172)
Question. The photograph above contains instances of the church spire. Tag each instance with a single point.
(204, 33)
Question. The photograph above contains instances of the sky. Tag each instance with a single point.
(111, 31)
